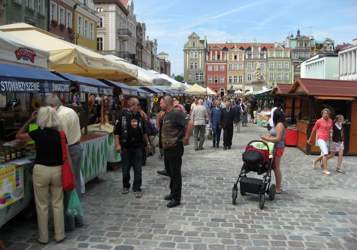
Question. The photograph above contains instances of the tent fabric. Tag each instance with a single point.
(16, 78)
(70, 58)
(16, 51)
(210, 92)
(196, 90)
(93, 86)
(152, 90)
(126, 90)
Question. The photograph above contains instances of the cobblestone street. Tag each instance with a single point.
(313, 212)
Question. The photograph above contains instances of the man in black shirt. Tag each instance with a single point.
(175, 133)
(130, 139)
(227, 120)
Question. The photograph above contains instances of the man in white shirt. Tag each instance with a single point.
(199, 117)
(71, 127)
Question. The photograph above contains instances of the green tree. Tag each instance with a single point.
(179, 78)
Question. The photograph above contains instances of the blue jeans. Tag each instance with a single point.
(132, 157)
(216, 134)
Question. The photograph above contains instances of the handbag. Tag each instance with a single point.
(68, 179)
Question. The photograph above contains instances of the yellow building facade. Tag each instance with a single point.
(85, 28)
(235, 68)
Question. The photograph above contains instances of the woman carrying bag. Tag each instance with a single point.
(47, 171)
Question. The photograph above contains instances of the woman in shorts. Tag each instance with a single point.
(323, 127)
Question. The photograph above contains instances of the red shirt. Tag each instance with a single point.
(323, 128)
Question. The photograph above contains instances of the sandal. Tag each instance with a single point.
(339, 170)
(326, 172)
(278, 192)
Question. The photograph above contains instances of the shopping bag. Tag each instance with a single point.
(68, 179)
(74, 207)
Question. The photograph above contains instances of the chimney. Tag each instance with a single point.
(354, 41)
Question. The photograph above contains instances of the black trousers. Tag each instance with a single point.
(227, 136)
(132, 157)
(173, 163)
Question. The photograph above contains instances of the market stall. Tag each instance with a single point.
(314, 95)
(98, 142)
(19, 87)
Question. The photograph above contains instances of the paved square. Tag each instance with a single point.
(314, 212)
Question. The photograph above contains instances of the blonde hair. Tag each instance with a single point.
(338, 117)
(48, 118)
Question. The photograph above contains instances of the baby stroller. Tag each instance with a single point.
(256, 159)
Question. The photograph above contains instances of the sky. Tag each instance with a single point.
(172, 21)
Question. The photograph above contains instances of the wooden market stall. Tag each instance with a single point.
(314, 95)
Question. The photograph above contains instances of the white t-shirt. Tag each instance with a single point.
(70, 124)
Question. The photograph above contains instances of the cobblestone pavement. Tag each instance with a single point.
(314, 211)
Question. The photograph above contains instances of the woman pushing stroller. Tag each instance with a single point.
(277, 136)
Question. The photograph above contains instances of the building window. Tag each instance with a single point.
(62, 16)
(218, 57)
(210, 79)
(86, 28)
(196, 54)
(100, 43)
(69, 19)
(235, 57)
(209, 68)
(41, 7)
(230, 67)
(191, 65)
(53, 11)
(287, 65)
(222, 68)
(215, 79)
(216, 68)
(222, 79)
(240, 79)
(235, 79)
(249, 77)
(230, 57)
(196, 65)
(30, 4)
(230, 79)
(193, 44)
(91, 31)
(101, 22)
(271, 76)
(286, 76)
(79, 25)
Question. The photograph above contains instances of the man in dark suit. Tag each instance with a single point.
(227, 120)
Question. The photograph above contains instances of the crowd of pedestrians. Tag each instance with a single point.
(134, 138)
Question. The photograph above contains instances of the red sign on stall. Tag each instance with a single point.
(25, 54)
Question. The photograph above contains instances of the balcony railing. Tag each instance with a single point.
(124, 33)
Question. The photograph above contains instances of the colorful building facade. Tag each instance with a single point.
(216, 67)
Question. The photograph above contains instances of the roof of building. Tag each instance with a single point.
(282, 89)
(324, 88)
(238, 45)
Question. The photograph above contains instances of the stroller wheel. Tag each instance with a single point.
(234, 194)
(261, 200)
(272, 191)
